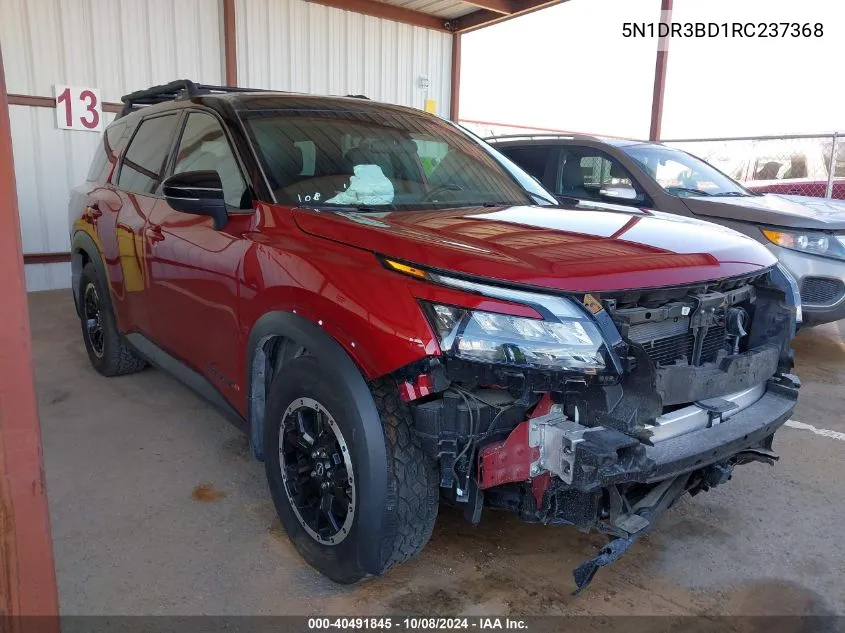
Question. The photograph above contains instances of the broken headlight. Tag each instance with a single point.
(566, 339)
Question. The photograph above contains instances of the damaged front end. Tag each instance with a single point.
(686, 383)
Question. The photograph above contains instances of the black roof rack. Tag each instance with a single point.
(175, 90)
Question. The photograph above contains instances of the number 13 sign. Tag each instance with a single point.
(78, 109)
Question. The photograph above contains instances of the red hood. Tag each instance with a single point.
(606, 248)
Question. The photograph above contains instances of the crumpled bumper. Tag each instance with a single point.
(588, 459)
(573, 471)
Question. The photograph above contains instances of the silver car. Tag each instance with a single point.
(806, 234)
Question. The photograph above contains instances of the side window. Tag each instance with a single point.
(584, 172)
(531, 159)
(771, 168)
(107, 151)
(145, 158)
(204, 147)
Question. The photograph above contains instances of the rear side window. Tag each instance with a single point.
(107, 152)
(145, 158)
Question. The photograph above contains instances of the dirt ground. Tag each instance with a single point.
(158, 508)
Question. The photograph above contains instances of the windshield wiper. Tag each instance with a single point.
(736, 194)
(696, 192)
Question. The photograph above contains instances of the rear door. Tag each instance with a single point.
(137, 183)
(94, 206)
(194, 285)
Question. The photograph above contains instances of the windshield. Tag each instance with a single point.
(385, 161)
(683, 174)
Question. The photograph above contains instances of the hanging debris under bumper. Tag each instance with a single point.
(602, 478)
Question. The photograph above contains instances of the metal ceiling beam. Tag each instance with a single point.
(388, 12)
(27, 571)
(505, 7)
(485, 17)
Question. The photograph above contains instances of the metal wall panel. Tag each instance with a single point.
(123, 45)
(307, 47)
(115, 45)
(48, 163)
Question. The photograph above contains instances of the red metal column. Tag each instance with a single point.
(455, 99)
(230, 47)
(27, 574)
(660, 73)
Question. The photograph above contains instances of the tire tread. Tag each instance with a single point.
(413, 481)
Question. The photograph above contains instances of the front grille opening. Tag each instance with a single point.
(680, 347)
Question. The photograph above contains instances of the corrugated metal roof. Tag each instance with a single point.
(448, 9)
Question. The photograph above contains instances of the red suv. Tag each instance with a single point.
(398, 316)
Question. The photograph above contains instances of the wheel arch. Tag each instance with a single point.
(83, 250)
(281, 335)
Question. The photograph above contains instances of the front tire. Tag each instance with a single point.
(109, 352)
(310, 430)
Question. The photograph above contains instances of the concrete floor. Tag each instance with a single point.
(158, 508)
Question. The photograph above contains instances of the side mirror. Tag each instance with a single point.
(620, 192)
(199, 193)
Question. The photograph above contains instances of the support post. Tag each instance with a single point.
(454, 101)
(27, 573)
(831, 166)
(660, 73)
(230, 47)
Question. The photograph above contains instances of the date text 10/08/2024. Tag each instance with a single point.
(416, 624)
(722, 29)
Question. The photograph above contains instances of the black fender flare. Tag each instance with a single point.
(328, 352)
(82, 242)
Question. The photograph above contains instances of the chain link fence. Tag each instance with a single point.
(800, 165)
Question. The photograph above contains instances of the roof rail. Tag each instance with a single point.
(173, 91)
(508, 137)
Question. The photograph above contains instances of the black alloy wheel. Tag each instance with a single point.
(92, 313)
(317, 471)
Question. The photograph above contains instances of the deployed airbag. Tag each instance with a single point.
(369, 186)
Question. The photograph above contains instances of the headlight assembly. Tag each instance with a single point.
(501, 338)
(811, 242)
(565, 339)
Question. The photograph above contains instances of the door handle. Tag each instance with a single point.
(154, 233)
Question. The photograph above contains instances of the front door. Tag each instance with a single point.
(194, 268)
(137, 183)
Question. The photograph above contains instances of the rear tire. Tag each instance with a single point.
(369, 543)
(109, 352)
